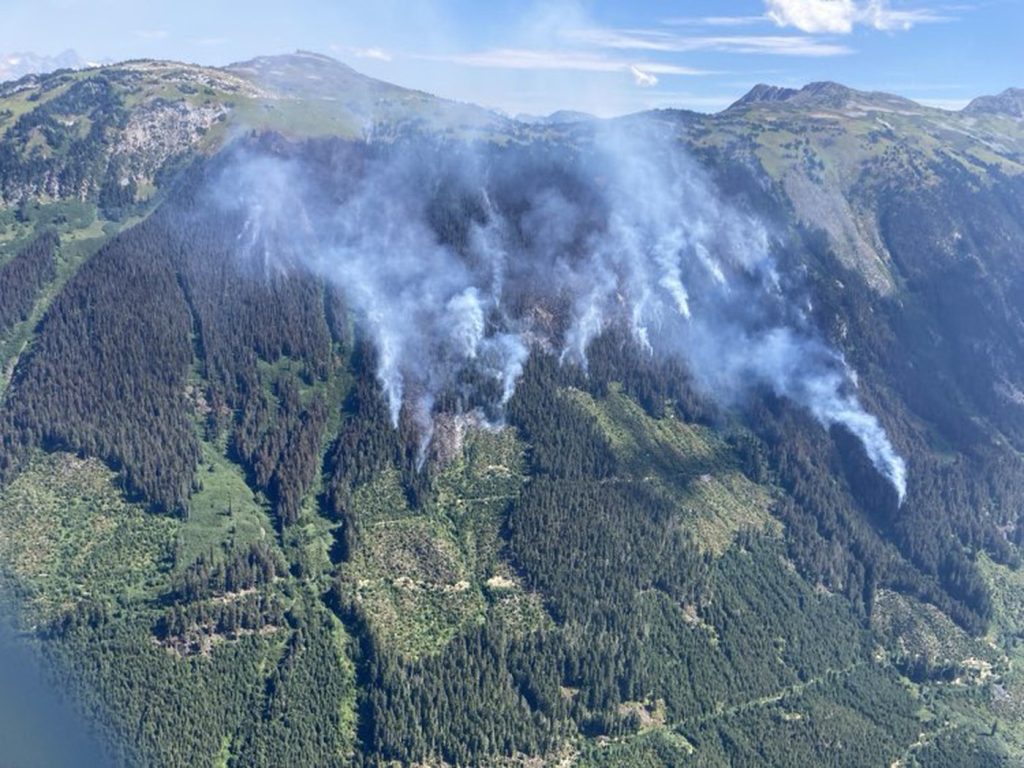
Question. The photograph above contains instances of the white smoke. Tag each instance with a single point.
(805, 371)
(447, 251)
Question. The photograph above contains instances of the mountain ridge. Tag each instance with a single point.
(262, 68)
(826, 94)
(173, 108)
(1009, 102)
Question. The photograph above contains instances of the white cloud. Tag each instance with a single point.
(775, 45)
(641, 78)
(377, 54)
(880, 16)
(813, 15)
(531, 59)
(666, 42)
(840, 16)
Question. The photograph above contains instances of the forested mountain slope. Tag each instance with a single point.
(234, 540)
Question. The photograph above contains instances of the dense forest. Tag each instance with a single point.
(24, 276)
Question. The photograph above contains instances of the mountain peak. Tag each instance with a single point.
(1010, 102)
(306, 74)
(762, 93)
(300, 58)
(824, 94)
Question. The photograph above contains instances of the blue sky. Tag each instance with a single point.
(603, 57)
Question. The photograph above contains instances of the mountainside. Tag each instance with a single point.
(1009, 103)
(344, 424)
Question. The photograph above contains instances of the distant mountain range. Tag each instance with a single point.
(834, 95)
(15, 65)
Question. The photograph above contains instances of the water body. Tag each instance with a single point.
(37, 726)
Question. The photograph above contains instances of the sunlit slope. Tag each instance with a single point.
(836, 152)
(115, 133)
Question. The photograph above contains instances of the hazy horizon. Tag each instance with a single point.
(601, 58)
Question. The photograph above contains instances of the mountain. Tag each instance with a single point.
(14, 66)
(344, 424)
(72, 132)
(764, 94)
(825, 95)
(1009, 103)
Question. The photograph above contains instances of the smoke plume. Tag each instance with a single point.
(455, 255)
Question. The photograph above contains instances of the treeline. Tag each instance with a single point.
(23, 277)
(635, 611)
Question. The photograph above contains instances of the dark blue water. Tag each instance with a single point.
(37, 726)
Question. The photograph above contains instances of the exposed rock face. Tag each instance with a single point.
(763, 93)
(159, 131)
